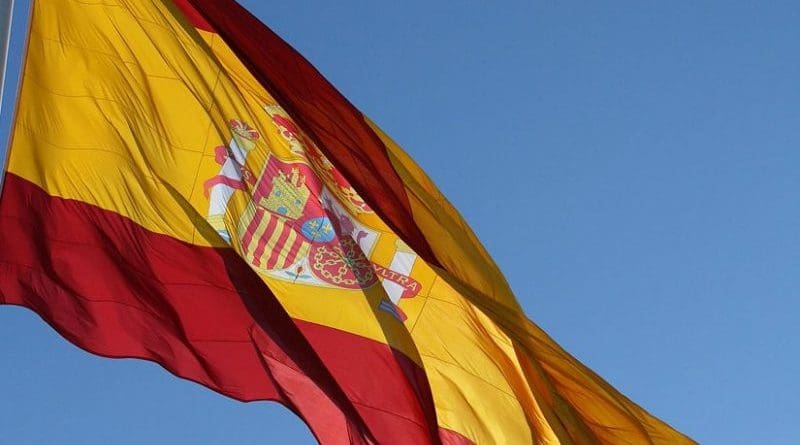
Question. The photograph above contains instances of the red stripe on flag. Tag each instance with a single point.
(193, 16)
(203, 314)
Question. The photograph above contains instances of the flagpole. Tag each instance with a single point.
(6, 15)
(6, 110)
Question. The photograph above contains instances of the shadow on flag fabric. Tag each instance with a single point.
(184, 187)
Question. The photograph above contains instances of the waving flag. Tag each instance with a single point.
(184, 187)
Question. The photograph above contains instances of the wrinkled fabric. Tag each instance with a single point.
(256, 234)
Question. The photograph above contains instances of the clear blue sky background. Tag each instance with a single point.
(632, 166)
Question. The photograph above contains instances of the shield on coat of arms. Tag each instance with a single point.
(276, 228)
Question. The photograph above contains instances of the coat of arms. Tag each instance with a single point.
(298, 223)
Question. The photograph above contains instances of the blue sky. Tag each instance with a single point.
(633, 168)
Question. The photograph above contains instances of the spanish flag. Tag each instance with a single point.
(183, 187)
